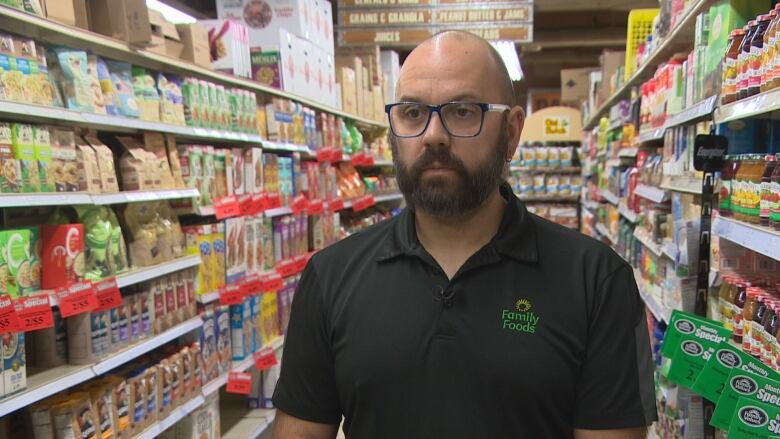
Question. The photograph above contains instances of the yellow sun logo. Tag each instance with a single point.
(523, 305)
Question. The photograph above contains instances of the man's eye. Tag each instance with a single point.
(413, 113)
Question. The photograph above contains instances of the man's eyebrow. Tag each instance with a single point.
(469, 97)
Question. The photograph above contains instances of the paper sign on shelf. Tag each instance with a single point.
(245, 205)
(239, 383)
(227, 207)
(335, 205)
(34, 312)
(265, 358)
(273, 201)
(363, 203)
(231, 294)
(299, 204)
(9, 321)
(77, 298)
(300, 262)
(286, 268)
(357, 159)
(324, 154)
(316, 207)
(271, 282)
(259, 202)
(336, 155)
(108, 295)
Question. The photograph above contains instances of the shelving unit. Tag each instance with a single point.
(756, 238)
(609, 196)
(627, 213)
(652, 193)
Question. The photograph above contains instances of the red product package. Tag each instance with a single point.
(62, 251)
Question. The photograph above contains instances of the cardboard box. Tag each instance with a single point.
(327, 42)
(265, 19)
(267, 67)
(610, 62)
(227, 38)
(157, 38)
(575, 84)
(70, 12)
(126, 20)
(195, 41)
(289, 55)
(304, 86)
(173, 43)
(391, 66)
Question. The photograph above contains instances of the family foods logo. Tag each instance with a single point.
(521, 318)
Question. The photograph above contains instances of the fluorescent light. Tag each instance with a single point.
(171, 14)
(509, 54)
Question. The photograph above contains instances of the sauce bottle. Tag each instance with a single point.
(731, 67)
(753, 204)
(740, 300)
(774, 62)
(743, 61)
(756, 55)
(727, 175)
(774, 198)
(757, 328)
(766, 193)
(738, 185)
(768, 51)
(726, 296)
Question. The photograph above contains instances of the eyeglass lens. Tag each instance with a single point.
(460, 119)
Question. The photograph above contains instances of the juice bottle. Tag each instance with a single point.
(743, 61)
(770, 316)
(774, 198)
(738, 185)
(756, 56)
(774, 62)
(757, 327)
(727, 175)
(726, 307)
(766, 192)
(753, 190)
(731, 67)
(768, 51)
(740, 300)
(748, 317)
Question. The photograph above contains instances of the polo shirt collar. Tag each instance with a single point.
(516, 236)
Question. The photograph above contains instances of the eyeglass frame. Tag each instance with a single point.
(485, 107)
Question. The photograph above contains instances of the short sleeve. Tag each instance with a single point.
(307, 386)
(615, 389)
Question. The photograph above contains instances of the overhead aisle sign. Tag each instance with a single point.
(409, 22)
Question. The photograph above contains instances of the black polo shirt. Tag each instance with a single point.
(540, 332)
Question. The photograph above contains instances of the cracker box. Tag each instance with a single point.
(14, 363)
(62, 250)
(253, 170)
(23, 139)
(43, 154)
(10, 171)
(235, 249)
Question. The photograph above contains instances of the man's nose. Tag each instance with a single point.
(435, 134)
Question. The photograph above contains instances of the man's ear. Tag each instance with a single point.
(514, 126)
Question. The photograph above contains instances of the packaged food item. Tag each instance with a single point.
(567, 156)
(62, 247)
(145, 91)
(137, 388)
(14, 363)
(120, 329)
(171, 99)
(554, 157)
(251, 246)
(188, 277)
(88, 337)
(10, 170)
(117, 254)
(106, 85)
(133, 166)
(187, 386)
(241, 330)
(224, 348)
(23, 146)
(16, 270)
(105, 159)
(164, 389)
(152, 403)
(174, 162)
(75, 417)
(218, 246)
(100, 396)
(50, 345)
(169, 291)
(120, 402)
(41, 420)
(182, 312)
(269, 316)
(539, 184)
(220, 173)
(43, 155)
(564, 186)
(64, 167)
(267, 241)
(154, 144)
(70, 71)
(191, 100)
(552, 185)
(208, 347)
(235, 249)
(542, 153)
(208, 191)
(177, 398)
(88, 171)
(98, 100)
(122, 82)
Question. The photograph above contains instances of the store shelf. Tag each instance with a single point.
(547, 170)
(147, 345)
(627, 213)
(682, 183)
(609, 196)
(627, 153)
(251, 425)
(591, 205)
(388, 198)
(214, 385)
(616, 125)
(45, 199)
(155, 271)
(175, 416)
(648, 243)
(285, 147)
(48, 31)
(651, 193)
(241, 366)
(548, 199)
(660, 312)
(653, 135)
(602, 229)
(669, 249)
(754, 237)
(279, 211)
(693, 113)
(678, 39)
(757, 105)
(204, 299)
(138, 196)
(613, 163)
(46, 383)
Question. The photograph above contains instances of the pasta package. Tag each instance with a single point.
(122, 82)
(43, 155)
(64, 167)
(105, 159)
(106, 85)
(133, 166)
(146, 93)
(171, 99)
(88, 171)
(23, 141)
(154, 144)
(10, 170)
(98, 100)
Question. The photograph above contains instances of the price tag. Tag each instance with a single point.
(108, 295)
(271, 282)
(251, 285)
(273, 201)
(245, 205)
(316, 207)
(357, 159)
(76, 299)
(324, 154)
(231, 295)
(34, 313)
(368, 160)
(9, 321)
(286, 268)
(337, 155)
(227, 207)
(239, 383)
(335, 205)
(299, 204)
(259, 202)
(363, 203)
(265, 358)
(300, 263)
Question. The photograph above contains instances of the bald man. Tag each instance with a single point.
(465, 316)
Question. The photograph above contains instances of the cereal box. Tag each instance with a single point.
(241, 330)
(43, 154)
(62, 250)
(251, 246)
(235, 249)
(208, 346)
(269, 317)
(23, 139)
(14, 363)
(218, 246)
(205, 280)
(15, 262)
(64, 163)
(224, 338)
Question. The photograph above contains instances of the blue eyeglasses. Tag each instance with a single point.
(460, 119)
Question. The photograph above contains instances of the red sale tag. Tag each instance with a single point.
(273, 201)
(76, 299)
(368, 160)
(324, 154)
(316, 207)
(231, 295)
(300, 263)
(239, 383)
(363, 203)
(34, 313)
(227, 207)
(271, 282)
(259, 203)
(357, 159)
(265, 358)
(108, 295)
(9, 321)
(286, 268)
(245, 205)
(251, 285)
(335, 205)
(299, 204)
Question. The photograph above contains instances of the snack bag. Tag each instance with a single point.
(98, 100)
(74, 78)
(171, 99)
(146, 93)
(106, 86)
(123, 96)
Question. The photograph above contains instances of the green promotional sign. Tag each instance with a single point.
(711, 380)
(744, 385)
(697, 341)
(754, 420)
(682, 324)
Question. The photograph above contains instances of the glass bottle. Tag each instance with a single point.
(743, 61)
(766, 190)
(756, 55)
(727, 175)
(774, 198)
(731, 67)
(749, 317)
(740, 301)
(753, 200)
(770, 51)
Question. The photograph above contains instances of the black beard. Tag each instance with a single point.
(440, 197)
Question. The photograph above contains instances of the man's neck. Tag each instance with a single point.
(451, 241)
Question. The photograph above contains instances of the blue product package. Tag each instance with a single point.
(257, 336)
(241, 330)
(111, 99)
(122, 81)
(741, 135)
(225, 352)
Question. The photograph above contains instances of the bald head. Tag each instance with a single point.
(462, 54)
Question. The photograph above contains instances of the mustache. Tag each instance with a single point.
(440, 157)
